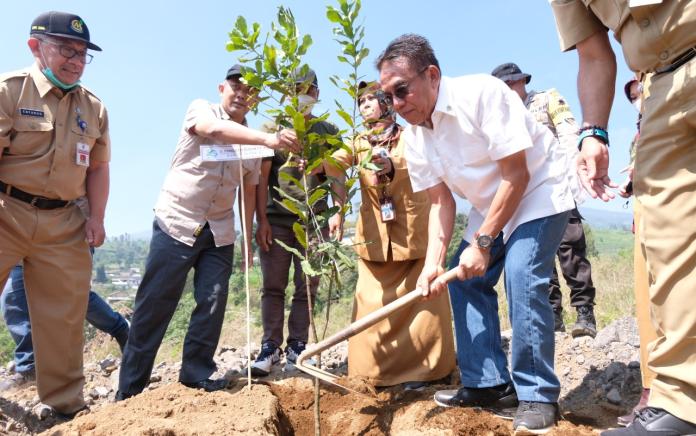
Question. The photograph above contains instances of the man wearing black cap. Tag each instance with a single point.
(550, 109)
(194, 228)
(54, 149)
(275, 222)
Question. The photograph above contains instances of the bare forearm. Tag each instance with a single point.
(98, 189)
(231, 132)
(596, 79)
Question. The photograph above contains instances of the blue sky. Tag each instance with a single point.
(159, 55)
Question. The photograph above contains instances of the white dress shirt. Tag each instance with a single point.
(478, 120)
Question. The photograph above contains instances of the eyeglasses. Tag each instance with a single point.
(69, 52)
(403, 89)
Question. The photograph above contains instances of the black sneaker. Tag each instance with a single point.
(269, 356)
(208, 385)
(654, 421)
(293, 351)
(120, 396)
(585, 325)
(535, 418)
(500, 400)
(558, 325)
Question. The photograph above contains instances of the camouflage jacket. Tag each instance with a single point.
(550, 109)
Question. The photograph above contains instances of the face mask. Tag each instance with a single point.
(636, 104)
(305, 103)
(53, 79)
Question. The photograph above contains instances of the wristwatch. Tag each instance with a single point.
(483, 242)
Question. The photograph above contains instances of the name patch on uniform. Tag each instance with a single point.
(31, 112)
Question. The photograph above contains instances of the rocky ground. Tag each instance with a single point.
(600, 380)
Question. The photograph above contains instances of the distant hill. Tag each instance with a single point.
(607, 219)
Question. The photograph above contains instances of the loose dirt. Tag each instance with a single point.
(177, 410)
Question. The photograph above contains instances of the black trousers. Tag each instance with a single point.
(168, 264)
(576, 269)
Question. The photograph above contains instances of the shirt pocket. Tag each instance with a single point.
(87, 136)
(31, 137)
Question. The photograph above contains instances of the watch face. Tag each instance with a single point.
(484, 241)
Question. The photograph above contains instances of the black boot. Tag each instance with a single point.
(585, 324)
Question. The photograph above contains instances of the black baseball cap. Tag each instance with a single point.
(308, 77)
(510, 72)
(235, 70)
(64, 25)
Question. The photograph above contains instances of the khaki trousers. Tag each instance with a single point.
(57, 271)
(665, 184)
(646, 331)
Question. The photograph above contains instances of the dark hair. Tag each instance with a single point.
(414, 48)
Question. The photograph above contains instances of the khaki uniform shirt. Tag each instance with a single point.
(651, 36)
(197, 191)
(39, 134)
(407, 235)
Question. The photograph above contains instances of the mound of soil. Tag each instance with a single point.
(177, 410)
(393, 411)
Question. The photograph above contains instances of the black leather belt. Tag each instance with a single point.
(678, 62)
(34, 200)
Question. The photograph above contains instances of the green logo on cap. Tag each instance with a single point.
(76, 25)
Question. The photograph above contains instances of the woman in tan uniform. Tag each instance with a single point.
(415, 344)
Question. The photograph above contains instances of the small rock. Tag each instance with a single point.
(42, 411)
(566, 370)
(154, 378)
(606, 336)
(614, 397)
(10, 366)
(580, 359)
(107, 363)
(633, 364)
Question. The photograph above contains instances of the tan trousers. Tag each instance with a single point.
(665, 184)
(646, 331)
(57, 271)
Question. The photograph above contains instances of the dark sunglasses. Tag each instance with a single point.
(402, 90)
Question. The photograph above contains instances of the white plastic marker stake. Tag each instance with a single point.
(240, 153)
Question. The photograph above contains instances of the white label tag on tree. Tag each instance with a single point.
(222, 153)
(637, 3)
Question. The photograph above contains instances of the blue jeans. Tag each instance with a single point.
(15, 310)
(528, 259)
(168, 264)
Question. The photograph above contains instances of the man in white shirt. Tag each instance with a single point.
(472, 135)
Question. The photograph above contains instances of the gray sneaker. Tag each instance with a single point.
(535, 418)
(269, 356)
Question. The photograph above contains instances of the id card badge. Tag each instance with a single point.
(387, 209)
(82, 154)
(218, 153)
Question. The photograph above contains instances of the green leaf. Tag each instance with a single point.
(287, 177)
(292, 207)
(241, 25)
(332, 14)
(346, 117)
(300, 234)
(308, 270)
(317, 195)
(288, 248)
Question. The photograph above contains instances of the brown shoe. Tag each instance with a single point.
(627, 419)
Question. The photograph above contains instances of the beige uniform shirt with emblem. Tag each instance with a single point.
(40, 135)
(651, 36)
(197, 191)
